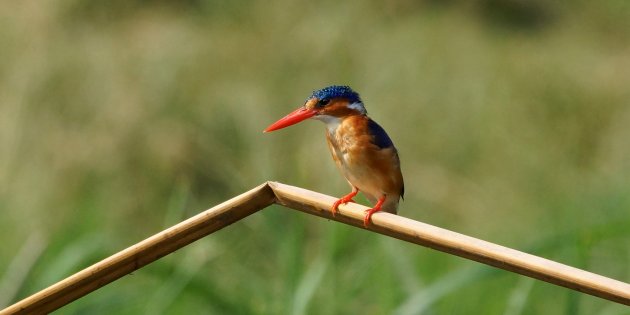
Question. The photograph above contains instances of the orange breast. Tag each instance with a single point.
(373, 170)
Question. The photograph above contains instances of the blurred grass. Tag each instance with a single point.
(118, 118)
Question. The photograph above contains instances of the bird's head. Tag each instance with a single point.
(328, 104)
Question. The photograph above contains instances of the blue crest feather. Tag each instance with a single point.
(335, 91)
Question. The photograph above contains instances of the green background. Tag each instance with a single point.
(120, 118)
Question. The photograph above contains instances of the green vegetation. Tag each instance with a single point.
(119, 118)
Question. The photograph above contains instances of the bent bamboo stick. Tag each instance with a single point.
(237, 208)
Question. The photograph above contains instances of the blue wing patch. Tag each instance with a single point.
(379, 136)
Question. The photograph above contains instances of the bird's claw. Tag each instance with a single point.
(368, 216)
(370, 212)
(341, 201)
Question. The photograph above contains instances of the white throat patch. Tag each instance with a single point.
(332, 122)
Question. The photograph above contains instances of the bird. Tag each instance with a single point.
(363, 152)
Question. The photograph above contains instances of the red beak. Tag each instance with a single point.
(291, 119)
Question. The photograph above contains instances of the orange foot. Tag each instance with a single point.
(343, 200)
(370, 212)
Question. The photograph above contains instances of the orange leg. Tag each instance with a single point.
(343, 200)
(377, 207)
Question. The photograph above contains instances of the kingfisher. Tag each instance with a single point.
(361, 149)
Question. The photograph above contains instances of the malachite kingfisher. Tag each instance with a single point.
(362, 150)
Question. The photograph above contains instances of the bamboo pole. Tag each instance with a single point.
(235, 209)
(456, 244)
(143, 253)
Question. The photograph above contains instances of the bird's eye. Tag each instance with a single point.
(322, 102)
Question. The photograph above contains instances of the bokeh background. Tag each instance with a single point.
(120, 118)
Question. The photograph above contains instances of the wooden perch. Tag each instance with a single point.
(235, 209)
